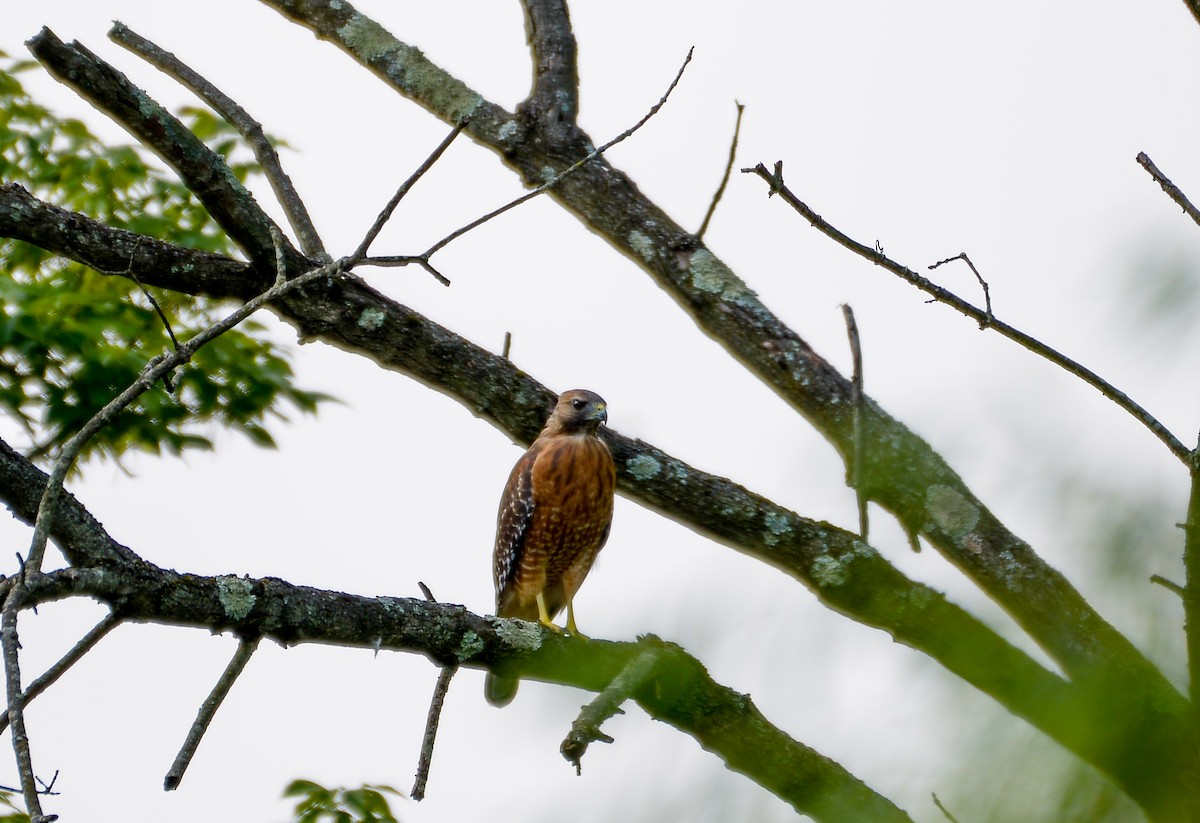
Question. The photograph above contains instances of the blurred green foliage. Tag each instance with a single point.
(366, 804)
(72, 338)
(9, 811)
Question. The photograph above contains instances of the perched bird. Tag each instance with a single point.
(554, 518)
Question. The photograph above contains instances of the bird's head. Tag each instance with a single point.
(577, 411)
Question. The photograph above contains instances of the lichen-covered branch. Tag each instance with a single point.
(402, 66)
(250, 129)
(903, 474)
(81, 538)
(1106, 676)
(845, 573)
(683, 695)
(553, 100)
(984, 317)
(229, 202)
(585, 729)
(107, 249)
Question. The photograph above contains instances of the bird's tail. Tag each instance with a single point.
(499, 691)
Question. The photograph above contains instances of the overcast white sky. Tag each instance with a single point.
(1008, 131)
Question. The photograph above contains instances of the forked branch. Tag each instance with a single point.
(250, 129)
(586, 728)
(774, 179)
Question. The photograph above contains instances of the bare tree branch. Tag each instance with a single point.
(154, 370)
(16, 703)
(722, 720)
(250, 129)
(386, 214)
(945, 812)
(1194, 7)
(586, 728)
(227, 200)
(113, 251)
(47, 506)
(845, 573)
(985, 319)
(919, 487)
(51, 675)
(712, 207)
(858, 397)
(558, 178)
(836, 565)
(208, 710)
(907, 477)
(75, 531)
(431, 726)
(987, 294)
(553, 101)
(1173, 191)
(1169, 585)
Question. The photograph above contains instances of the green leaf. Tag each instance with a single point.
(17, 816)
(72, 339)
(366, 804)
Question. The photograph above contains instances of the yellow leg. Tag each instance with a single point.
(544, 615)
(571, 627)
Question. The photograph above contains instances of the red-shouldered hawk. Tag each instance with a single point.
(554, 518)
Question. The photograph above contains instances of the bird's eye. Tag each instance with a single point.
(578, 403)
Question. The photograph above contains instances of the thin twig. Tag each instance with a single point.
(433, 718)
(944, 810)
(16, 701)
(47, 789)
(152, 372)
(712, 207)
(132, 275)
(987, 295)
(857, 397)
(399, 260)
(385, 215)
(1169, 585)
(1170, 188)
(280, 256)
(208, 709)
(775, 181)
(250, 129)
(586, 728)
(85, 645)
(431, 726)
(554, 181)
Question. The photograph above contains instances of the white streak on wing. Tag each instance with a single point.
(520, 514)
